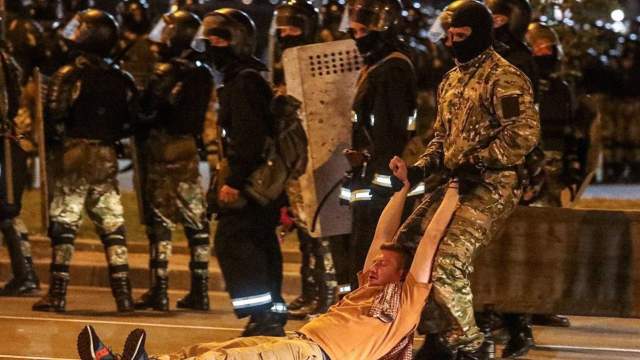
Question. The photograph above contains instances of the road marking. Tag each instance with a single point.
(586, 348)
(32, 357)
(95, 321)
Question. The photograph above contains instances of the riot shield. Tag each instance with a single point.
(38, 118)
(323, 76)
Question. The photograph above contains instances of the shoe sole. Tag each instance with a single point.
(135, 341)
(85, 344)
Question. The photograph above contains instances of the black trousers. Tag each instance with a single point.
(250, 258)
(365, 220)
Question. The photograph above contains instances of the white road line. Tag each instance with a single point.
(586, 348)
(32, 357)
(95, 321)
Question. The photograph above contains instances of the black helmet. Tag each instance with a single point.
(230, 24)
(542, 35)
(48, 10)
(21, 7)
(518, 11)
(376, 15)
(175, 32)
(331, 13)
(93, 31)
(134, 16)
(298, 13)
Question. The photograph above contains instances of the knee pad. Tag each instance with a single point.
(114, 238)
(61, 234)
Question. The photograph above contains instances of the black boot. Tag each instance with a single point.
(198, 296)
(156, 297)
(25, 281)
(264, 324)
(521, 336)
(55, 300)
(486, 351)
(434, 349)
(121, 290)
(550, 320)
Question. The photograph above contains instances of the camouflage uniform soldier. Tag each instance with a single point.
(88, 108)
(175, 103)
(486, 125)
(24, 281)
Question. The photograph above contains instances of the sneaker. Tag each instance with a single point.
(134, 346)
(90, 347)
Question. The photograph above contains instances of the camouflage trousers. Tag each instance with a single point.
(482, 212)
(85, 180)
(173, 194)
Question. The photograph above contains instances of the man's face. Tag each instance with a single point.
(387, 268)
(357, 30)
(457, 34)
(285, 31)
(218, 41)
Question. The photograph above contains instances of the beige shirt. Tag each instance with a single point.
(347, 332)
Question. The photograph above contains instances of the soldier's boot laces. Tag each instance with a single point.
(156, 297)
(198, 296)
(56, 298)
(121, 290)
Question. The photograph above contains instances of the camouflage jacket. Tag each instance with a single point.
(486, 117)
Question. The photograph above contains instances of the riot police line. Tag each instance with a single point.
(382, 79)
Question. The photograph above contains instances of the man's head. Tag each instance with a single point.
(467, 27)
(546, 47)
(391, 265)
(173, 33)
(296, 23)
(372, 24)
(226, 35)
(511, 16)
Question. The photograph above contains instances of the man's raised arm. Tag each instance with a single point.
(391, 216)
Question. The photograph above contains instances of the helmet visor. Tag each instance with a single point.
(70, 31)
(438, 30)
(159, 33)
(214, 25)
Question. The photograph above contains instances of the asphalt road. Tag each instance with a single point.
(30, 335)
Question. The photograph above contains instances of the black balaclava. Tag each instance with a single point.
(374, 46)
(475, 15)
(291, 41)
(221, 56)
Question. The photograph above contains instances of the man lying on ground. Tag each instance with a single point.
(376, 321)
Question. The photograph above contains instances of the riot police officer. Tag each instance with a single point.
(24, 36)
(90, 105)
(382, 114)
(510, 21)
(133, 48)
(24, 281)
(173, 107)
(245, 241)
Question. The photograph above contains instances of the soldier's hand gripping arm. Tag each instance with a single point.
(390, 219)
(511, 98)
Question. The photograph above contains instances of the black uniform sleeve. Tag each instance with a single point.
(62, 92)
(156, 96)
(250, 125)
(394, 103)
(194, 97)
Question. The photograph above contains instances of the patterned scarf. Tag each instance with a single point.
(385, 308)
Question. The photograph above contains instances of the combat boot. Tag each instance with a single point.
(198, 296)
(121, 290)
(486, 351)
(521, 337)
(264, 324)
(25, 282)
(326, 297)
(55, 300)
(156, 297)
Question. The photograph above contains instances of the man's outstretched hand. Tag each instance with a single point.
(399, 169)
